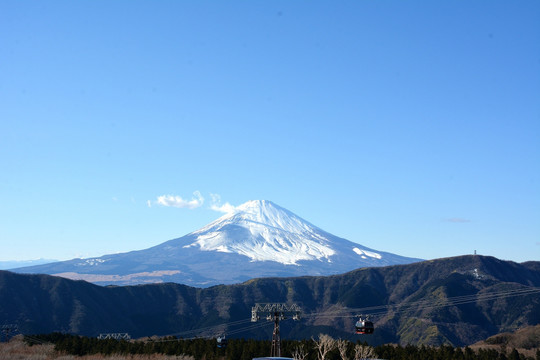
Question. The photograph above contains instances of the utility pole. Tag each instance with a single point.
(8, 330)
(275, 312)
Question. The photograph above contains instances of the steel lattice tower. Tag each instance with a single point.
(8, 330)
(275, 312)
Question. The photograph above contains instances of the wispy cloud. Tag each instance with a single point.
(224, 208)
(176, 201)
(218, 206)
(196, 201)
(457, 220)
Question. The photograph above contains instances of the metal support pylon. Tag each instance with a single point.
(276, 312)
(8, 331)
(276, 341)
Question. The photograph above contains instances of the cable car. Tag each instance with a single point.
(364, 326)
(221, 342)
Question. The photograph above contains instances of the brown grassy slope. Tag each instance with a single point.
(16, 349)
(525, 340)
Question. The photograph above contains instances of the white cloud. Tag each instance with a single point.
(216, 198)
(176, 201)
(223, 208)
(457, 220)
(196, 201)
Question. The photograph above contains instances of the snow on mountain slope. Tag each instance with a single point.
(274, 234)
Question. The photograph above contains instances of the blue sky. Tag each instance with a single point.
(406, 126)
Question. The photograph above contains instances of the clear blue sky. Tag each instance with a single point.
(406, 126)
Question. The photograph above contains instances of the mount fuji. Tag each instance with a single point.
(258, 239)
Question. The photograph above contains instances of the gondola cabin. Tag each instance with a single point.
(221, 342)
(364, 326)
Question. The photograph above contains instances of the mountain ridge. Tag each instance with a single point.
(329, 303)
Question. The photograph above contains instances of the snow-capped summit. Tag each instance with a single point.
(257, 239)
(267, 213)
(264, 231)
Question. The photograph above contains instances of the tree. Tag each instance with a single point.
(342, 347)
(362, 352)
(299, 352)
(514, 355)
(324, 345)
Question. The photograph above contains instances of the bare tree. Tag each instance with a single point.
(300, 353)
(363, 352)
(342, 347)
(324, 345)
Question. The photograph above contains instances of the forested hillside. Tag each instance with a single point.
(454, 301)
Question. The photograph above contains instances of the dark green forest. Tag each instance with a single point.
(246, 349)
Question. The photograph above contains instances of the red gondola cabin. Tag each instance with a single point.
(364, 326)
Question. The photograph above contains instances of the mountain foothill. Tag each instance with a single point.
(205, 284)
(457, 301)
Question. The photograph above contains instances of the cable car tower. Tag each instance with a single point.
(275, 312)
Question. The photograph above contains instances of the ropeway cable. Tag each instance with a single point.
(213, 327)
(424, 304)
(371, 310)
(378, 310)
(228, 332)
